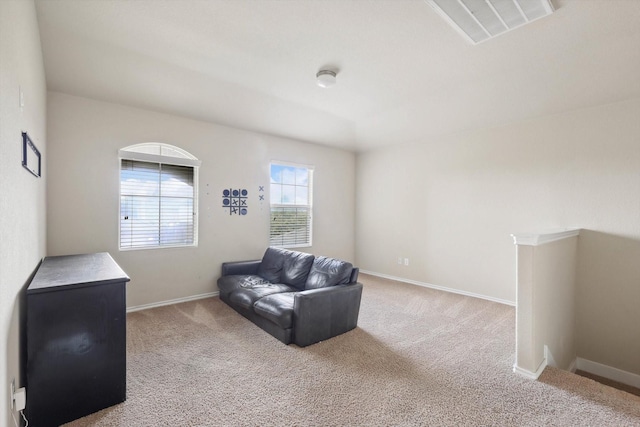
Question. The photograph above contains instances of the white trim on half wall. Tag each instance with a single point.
(528, 374)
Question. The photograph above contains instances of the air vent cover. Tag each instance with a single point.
(480, 20)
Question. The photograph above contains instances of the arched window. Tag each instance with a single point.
(158, 197)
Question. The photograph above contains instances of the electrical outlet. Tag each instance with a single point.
(17, 397)
(20, 399)
(406, 261)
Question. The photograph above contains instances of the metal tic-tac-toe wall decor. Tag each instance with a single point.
(235, 201)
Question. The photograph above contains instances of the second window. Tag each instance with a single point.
(291, 205)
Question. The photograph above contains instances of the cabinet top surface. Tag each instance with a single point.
(59, 271)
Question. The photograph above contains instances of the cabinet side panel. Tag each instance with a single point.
(76, 352)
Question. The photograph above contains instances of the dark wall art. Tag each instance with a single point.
(31, 156)
(235, 201)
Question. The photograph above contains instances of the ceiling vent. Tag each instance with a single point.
(480, 20)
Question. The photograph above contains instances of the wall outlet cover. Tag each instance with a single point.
(20, 399)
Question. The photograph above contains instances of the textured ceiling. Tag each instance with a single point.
(404, 74)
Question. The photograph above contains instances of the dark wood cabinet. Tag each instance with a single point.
(76, 338)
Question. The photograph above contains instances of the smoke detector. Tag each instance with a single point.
(326, 78)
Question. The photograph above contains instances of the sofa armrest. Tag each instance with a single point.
(354, 274)
(319, 314)
(240, 267)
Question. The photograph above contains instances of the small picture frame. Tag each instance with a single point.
(31, 156)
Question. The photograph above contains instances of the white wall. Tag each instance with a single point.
(83, 190)
(450, 205)
(554, 307)
(22, 196)
(608, 297)
(546, 307)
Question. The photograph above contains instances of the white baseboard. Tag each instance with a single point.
(440, 288)
(173, 301)
(574, 366)
(527, 373)
(609, 372)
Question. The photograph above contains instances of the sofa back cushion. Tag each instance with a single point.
(296, 269)
(328, 272)
(271, 266)
(287, 267)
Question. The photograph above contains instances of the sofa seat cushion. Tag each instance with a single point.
(328, 272)
(248, 293)
(277, 308)
(228, 284)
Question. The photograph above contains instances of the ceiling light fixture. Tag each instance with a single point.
(326, 78)
(480, 20)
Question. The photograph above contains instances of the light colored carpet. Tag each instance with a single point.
(419, 357)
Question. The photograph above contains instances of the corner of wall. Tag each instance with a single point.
(23, 201)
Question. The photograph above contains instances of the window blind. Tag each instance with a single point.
(290, 226)
(156, 204)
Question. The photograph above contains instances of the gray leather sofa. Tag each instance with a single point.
(294, 296)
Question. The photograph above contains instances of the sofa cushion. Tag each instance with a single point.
(271, 266)
(328, 272)
(284, 266)
(277, 308)
(228, 284)
(296, 269)
(247, 294)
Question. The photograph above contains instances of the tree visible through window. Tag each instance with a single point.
(290, 197)
(158, 197)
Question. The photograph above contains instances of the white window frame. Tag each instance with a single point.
(308, 206)
(159, 153)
